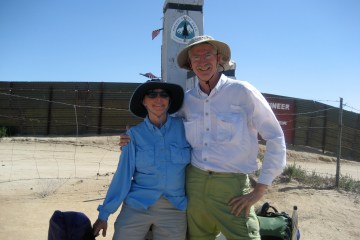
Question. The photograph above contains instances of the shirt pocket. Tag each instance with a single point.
(241, 126)
(226, 125)
(180, 154)
(192, 132)
(145, 156)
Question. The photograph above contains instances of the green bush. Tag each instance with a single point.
(3, 132)
(295, 172)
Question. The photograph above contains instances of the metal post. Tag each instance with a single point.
(339, 144)
(48, 125)
(101, 99)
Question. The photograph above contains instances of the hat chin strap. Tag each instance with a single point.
(208, 81)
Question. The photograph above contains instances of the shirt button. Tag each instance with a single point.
(207, 129)
(205, 144)
(205, 159)
(206, 114)
(207, 100)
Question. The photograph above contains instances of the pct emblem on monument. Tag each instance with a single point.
(184, 29)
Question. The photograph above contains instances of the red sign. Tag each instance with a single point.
(284, 110)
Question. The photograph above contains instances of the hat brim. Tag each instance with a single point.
(222, 48)
(175, 91)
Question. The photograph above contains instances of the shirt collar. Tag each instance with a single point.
(153, 128)
(218, 86)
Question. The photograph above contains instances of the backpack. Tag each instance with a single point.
(274, 225)
(70, 225)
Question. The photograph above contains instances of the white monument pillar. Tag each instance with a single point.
(183, 20)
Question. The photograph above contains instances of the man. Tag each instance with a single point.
(222, 119)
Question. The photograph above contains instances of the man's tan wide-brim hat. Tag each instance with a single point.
(222, 48)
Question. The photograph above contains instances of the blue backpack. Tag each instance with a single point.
(70, 226)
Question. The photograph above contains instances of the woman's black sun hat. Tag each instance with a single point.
(175, 92)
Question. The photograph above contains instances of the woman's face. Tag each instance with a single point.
(156, 102)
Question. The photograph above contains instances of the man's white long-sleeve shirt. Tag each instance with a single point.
(223, 129)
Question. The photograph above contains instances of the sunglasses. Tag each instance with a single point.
(153, 94)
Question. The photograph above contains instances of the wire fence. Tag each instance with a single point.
(61, 133)
(29, 158)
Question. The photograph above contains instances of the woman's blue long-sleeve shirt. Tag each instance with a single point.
(152, 165)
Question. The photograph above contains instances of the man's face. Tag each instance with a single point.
(204, 61)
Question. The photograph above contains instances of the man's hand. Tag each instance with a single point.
(124, 140)
(100, 225)
(245, 202)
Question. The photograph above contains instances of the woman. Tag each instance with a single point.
(150, 177)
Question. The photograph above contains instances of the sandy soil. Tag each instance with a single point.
(39, 176)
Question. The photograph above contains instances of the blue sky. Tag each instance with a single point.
(307, 49)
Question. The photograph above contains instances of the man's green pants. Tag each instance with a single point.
(208, 211)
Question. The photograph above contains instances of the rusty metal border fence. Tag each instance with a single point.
(101, 108)
(65, 108)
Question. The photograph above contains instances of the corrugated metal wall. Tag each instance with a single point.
(316, 125)
(78, 108)
(38, 109)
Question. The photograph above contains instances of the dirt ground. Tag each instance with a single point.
(39, 176)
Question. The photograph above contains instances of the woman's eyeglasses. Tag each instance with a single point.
(154, 94)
